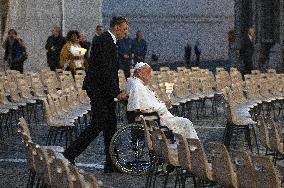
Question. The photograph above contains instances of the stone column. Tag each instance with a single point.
(281, 37)
(234, 50)
(1, 35)
(257, 23)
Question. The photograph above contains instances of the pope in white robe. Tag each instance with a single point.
(141, 98)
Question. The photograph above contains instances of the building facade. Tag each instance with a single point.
(268, 19)
(34, 19)
(168, 26)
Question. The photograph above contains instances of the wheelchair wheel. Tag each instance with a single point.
(128, 150)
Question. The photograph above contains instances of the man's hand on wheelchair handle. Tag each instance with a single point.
(122, 97)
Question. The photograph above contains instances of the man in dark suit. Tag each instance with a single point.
(246, 50)
(102, 86)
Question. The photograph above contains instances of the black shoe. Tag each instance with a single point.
(110, 169)
(71, 160)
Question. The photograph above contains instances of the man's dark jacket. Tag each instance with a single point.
(101, 80)
(246, 53)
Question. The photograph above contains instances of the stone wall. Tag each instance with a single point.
(168, 26)
(33, 19)
(82, 15)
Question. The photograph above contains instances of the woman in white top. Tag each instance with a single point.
(72, 54)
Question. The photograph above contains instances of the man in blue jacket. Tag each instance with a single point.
(139, 48)
(125, 54)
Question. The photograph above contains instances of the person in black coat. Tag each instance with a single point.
(197, 52)
(102, 86)
(246, 50)
(53, 45)
(15, 51)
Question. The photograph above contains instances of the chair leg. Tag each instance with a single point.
(194, 181)
(49, 136)
(150, 173)
(54, 137)
(156, 172)
(248, 137)
(228, 135)
(255, 138)
(166, 179)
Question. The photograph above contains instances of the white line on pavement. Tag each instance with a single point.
(86, 165)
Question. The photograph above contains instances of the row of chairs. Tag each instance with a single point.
(23, 94)
(258, 94)
(66, 113)
(49, 168)
(188, 157)
(271, 137)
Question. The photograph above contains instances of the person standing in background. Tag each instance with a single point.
(125, 54)
(197, 52)
(139, 48)
(99, 31)
(86, 45)
(72, 54)
(187, 55)
(15, 51)
(246, 50)
(53, 45)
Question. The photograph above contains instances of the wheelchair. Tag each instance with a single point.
(128, 147)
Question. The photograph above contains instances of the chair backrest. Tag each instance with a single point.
(90, 181)
(275, 138)
(24, 89)
(148, 136)
(60, 175)
(3, 98)
(76, 177)
(245, 169)
(14, 92)
(79, 79)
(168, 151)
(183, 152)
(157, 145)
(42, 164)
(24, 129)
(164, 69)
(199, 162)
(266, 175)
(263, 132)
(222, 166)
(38, 89)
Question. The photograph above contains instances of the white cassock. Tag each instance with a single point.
(143, 99)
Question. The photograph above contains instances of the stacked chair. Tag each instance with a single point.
(49, 168)
(188, 158)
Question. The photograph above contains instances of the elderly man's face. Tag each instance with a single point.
(145, 74)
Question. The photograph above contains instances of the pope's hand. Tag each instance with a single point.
(122, 96)
(168, 103)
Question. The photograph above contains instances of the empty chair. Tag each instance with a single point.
(266, 175)
(244, 169)
(199, 163)
(222, 166)
(184, 158)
